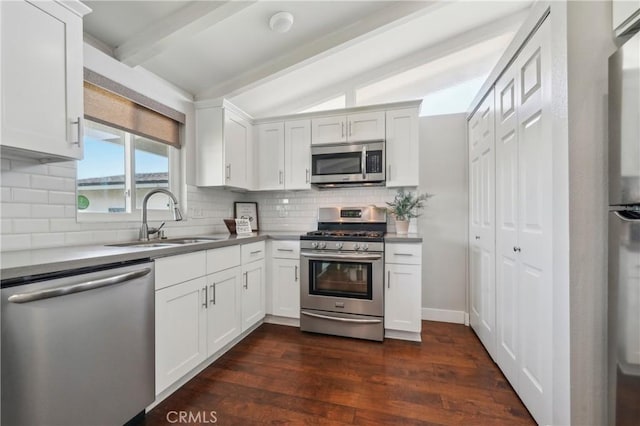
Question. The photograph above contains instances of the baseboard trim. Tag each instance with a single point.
(274, 319)
(402, 335)
(444, 315)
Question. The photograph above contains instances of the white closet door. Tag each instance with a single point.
(535, 224)
(482, 222)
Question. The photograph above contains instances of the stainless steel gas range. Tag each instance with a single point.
(342, 273)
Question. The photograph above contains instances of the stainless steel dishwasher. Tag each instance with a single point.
(78, 347)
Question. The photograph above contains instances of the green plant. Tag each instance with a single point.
(405, 205)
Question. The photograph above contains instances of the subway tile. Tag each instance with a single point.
(31, 167)
(64, 225)
(47, 210)
(70, 210)
(15, 179)
(12, 242)
(26, 226)
(69, 172)
(6, 226)
(5, 194)
(11, 210)
(48, 182)
(31, 196)
(57, 197)
(78, 238)
(6, 164)
(48, 239)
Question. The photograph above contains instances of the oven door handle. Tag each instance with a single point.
(352, 320)
(342, 256)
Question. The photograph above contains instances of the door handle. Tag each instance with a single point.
(364, 162)
(77, 288)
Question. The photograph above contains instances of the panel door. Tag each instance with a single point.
(366, 126)
(270, 152)
(285, 280)
(236, 141)
(224, 313)
(328, 130)
(42, 94)
(402, 148)
(253, 296)
(482, 222)
(181, 330)
(402, 306)
(535, 209)
(507, 312)
(297, 154)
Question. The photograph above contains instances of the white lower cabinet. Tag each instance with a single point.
(285, 279)
(196, 317)
(224, 315)
(181, 330)
(403, 291)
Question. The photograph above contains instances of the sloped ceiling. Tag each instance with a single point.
(372, 51)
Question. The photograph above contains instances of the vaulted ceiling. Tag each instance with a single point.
(365, 51)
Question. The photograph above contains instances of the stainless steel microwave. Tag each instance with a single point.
(348, 163)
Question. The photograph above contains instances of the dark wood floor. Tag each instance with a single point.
(280, 375)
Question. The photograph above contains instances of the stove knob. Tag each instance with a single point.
(339, 246)
(314, 244)
(322, 245)
(365, 247)
(356, 246)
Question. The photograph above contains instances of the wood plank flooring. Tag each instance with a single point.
(280, 375)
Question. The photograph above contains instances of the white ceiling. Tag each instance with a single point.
(399, 50)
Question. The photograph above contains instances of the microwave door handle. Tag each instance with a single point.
(364, 162)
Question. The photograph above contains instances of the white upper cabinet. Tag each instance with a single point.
(297, 154)
(283, 155)
(223, 148)
(270, 152)
(351, 128)
(625, 14)
(402, 147)
(42, 74)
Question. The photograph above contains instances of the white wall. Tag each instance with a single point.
(443, 172)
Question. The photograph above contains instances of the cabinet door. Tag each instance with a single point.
(285, 280)
(253, 297)
(402, 303)
(42, 94)
(328, 130)
(482, 223)
(270, 156)
(402, 148)
(236, 147)
(224, 313)
(297, 154)
(181, 336)
(366, 126)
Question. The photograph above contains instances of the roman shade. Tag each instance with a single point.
(112, 104)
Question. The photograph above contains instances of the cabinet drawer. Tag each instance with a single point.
(253, 251)
(407, 254)
(222, 258)
(285, 249)
(177, 269)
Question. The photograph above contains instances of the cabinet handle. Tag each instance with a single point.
(388, 279)
(516, 249)
(349, 128)
(402, 254)
(285, 249)
(307, 174)
(477, 237)
(213, 294)
(295, 277)
(342, 124)
(280, 176)
(228, 171)
(364, 162)
(255, 252)
(80, 123)
(389, 172)
(246, 281)
(204, 289)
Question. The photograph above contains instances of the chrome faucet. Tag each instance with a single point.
(145, 231)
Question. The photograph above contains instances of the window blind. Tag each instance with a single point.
(112, 104)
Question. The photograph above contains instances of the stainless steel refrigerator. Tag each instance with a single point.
(624, 234)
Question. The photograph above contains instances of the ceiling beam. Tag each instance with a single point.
(431, 53)
(195, 17)
(374, 24)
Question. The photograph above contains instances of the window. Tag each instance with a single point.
(119, 168)
(131, 146)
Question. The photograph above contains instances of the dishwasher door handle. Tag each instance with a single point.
(77, 288)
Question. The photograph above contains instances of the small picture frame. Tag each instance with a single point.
(247, 210)
(243, 227)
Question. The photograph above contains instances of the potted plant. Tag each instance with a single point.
(404, 206)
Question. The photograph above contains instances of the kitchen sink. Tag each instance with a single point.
(165, 243)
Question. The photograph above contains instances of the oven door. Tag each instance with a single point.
(342, 282)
